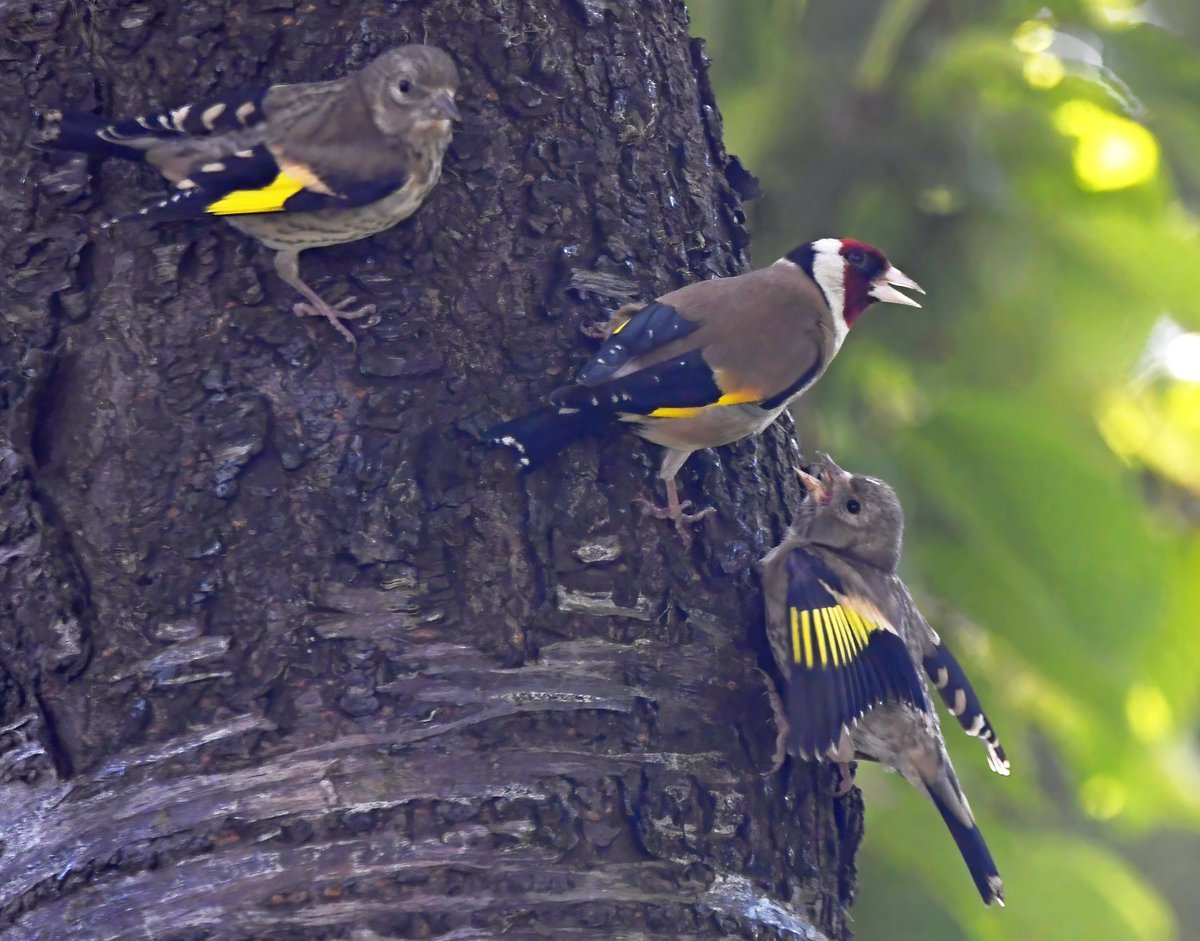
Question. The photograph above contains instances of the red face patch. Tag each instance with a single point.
(863, 264)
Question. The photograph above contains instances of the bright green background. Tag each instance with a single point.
(1038, 174)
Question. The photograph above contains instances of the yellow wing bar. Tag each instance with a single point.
(835, 636)
(269, 198)
(729, 398)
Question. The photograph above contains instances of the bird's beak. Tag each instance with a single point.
(443, 104)
(814, 487)
(882, 289)
(832, 472)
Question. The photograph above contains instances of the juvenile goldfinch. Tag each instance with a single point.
(847, 637)
(296, 166)
(715, 361)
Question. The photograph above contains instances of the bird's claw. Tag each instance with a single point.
(676, 515)
(845, 779)
(781, 724)
(599, 330)
(335, 314)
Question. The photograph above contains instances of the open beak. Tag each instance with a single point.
(882, 288)
(443, 104)
(832, 472)
(814, 487)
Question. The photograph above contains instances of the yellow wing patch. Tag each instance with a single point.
(832, 636)
(269, 198)
(729, 398)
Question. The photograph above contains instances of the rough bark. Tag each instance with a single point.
(283, 653)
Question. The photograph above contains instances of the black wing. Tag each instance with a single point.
(674, 388)
(651, 327)
(253, 181)
(844, 661)
(945, 672)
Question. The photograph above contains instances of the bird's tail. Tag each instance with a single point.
(953, 807)
(542, 434)
(89, 134)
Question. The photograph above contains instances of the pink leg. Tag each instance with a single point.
(674, 511)
(287, 265)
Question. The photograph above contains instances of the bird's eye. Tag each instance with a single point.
(405, 86)
(853, 506)
(857, 257)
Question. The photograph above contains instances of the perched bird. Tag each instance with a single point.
(297, 166)
(847, 638)
(714, 361)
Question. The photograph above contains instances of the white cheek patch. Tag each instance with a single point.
(829, 271)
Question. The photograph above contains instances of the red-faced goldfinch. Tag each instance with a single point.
(715, 361)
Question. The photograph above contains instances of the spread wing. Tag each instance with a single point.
(948, 676)
(845, 658)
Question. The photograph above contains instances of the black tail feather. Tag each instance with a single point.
(543, 434)
(85, 133)
(974, 852)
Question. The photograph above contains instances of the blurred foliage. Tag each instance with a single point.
(1037, 169)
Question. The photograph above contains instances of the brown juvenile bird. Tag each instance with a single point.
(847, 637)
(296, 166)
(715, 361)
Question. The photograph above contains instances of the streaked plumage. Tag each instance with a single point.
(715, 361)
(848, 638)
(296, 166)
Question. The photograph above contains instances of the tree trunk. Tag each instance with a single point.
(283, 651)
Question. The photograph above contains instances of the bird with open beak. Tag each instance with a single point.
(715, 361)
(847, 637)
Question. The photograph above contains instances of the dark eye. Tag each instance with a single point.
(857, 257)
(852, 506)
(405, 86)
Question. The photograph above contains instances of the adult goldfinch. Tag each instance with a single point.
(715, 361)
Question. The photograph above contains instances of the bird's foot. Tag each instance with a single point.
(781, 724)
(603, 329)
(334, 313)
(597, 330)
(675, 513)
(845, 778)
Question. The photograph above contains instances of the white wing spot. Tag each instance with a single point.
(179, 115)
(245, 111)
(215, 167)
(976, 726)
(960, 702)
(943, 677)
(208, 117)
(510, 441)
(244, 154)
